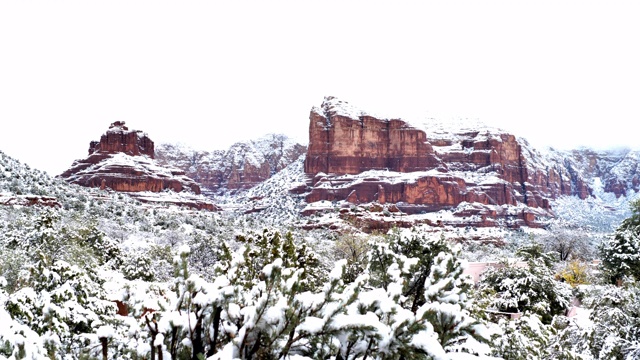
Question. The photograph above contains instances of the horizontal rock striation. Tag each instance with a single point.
(344, 142)
(120, 172)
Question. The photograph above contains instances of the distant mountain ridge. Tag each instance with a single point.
(472, 177)
(617, 170)
(244, 165)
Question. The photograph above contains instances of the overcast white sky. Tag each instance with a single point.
(209, 73)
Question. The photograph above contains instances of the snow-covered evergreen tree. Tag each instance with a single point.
(63, 304)
(522, 339)
(427, 302)
(17, 340)
(616, 317)
(528, 289)
(621, 252)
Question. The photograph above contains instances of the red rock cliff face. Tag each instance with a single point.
(343, 143)
(119, 139)
(480, 166)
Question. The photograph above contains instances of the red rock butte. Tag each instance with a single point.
(485, 166)
(123, 160)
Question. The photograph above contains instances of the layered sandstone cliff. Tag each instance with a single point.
(123, 160)
(343, 140)
(361, 158)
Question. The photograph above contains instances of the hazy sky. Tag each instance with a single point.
(209, 73)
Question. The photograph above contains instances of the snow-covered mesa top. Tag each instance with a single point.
(441, 128)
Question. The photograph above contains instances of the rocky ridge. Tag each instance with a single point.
(123, 161)
(617, 171)
(243, 166)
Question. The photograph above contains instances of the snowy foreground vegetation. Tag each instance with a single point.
(102, 276)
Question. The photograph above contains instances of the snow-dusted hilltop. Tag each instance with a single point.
(123, 160)
(242, 166)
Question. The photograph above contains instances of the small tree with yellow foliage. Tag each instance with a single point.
(575, 273)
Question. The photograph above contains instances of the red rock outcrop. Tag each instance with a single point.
(178, 199)
(29, 200)
(123, 160)
(119, 139)
(356, 157)
(123, 174)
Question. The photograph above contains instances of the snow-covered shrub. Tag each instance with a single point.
(206, 251)
(448, 305)
(399, 248)
(106, 250)
(137, 266)
(248, 311)
(264, 248)
(527, 289)
(616, 322)
(11, 267)
(17, 340)
(161, 256)
(608, 328)
(61, 235)
(353, 248)
(568, 242)
(522, 339)
(262, 304)
(63, 304)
